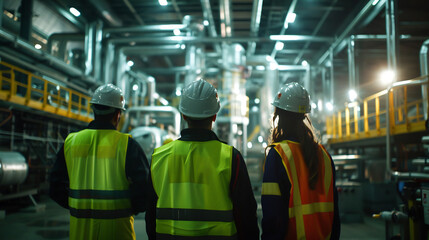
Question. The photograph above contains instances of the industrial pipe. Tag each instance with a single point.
(40, 55)
(410, 175)
(417, 81)
(155, 109)
(424, 72)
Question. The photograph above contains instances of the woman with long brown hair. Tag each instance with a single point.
(299, 197)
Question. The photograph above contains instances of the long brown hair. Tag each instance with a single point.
(292, 125)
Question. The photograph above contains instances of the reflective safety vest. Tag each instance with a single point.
(192, 182)
(311, 211)
(99, 202)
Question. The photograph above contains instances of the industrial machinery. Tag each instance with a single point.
(151, 126)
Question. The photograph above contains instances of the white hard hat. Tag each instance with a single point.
(109, 95)
(199, 100)
(294, 98)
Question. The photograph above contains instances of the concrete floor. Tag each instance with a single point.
(52, 223)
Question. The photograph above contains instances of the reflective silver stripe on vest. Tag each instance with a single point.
(160, 236)
(100, 214)
(194, 215)
(99, 194)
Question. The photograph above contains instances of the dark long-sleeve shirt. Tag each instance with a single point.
(276, 208)
(243, 200)
(136, 170)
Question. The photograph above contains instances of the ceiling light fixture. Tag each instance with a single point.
(163, 2)
(74, 11)
(279, 46)
(291, 17)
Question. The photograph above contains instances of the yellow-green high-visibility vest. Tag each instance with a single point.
(99, 202)
(192, 182)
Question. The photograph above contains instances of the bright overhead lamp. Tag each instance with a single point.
(352, 95)
(135, 87)
(387, 76)
(205, 23)
(130, 63)
(304, 63)
(290, 18)
(329, 106)
(279, 46)
(74, 11)
(176, 32)
(163, 2)
(37, 46)
(286, 37)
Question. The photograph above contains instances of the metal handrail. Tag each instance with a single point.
(417, 81)
(36, 92)
(347, 124)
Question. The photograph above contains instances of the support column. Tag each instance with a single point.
(352, 66)
(26, 19)
(331, 92)
(392, 35)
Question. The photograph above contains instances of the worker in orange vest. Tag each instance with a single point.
(299, 197)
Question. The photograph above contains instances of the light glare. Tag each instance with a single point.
(387, 76)
(130, 63)
(176, 32)
(135, 87)
(291, 17)
(304, 63)
(352, 95)
(329, 106)
(163, 2)
(74, 11)
(279, 46)
(37, 46)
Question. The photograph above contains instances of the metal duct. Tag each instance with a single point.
(254, 25)
(352, 65)
(63, 38)
(194, 39)
(146, 28)
(40, 55)
(89, 47)
(194, 58)
(269, 89)
(152, 50)
(290, 10)
(424, 71)
(225, 18)
(392, 35)
(207, 13)
(97, 51)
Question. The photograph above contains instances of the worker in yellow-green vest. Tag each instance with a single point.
(201, 188)
(299, 197)
(101, 175)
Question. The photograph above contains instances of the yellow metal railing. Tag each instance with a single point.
(368, 118)
(25, 88)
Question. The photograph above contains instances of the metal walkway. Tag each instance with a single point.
(24, 88)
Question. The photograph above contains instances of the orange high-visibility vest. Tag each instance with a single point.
(311, 211)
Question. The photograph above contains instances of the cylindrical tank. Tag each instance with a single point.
(13, 168)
